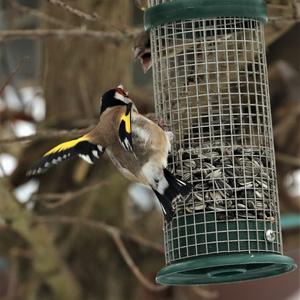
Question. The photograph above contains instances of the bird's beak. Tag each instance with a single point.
(138, 52)
(146, 63)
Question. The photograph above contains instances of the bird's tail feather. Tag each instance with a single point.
(81, 147)
(166, 206)
(176, 185)
(175, 188)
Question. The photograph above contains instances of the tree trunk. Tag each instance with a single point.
(46, 262)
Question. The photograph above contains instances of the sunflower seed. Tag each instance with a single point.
(216, 208)
(214, 174)
(227, 178)
(190, 164)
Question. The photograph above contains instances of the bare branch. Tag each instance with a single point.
(86, 16)
(132, 265)
(13, 74)
(116, 234)
(7, 114)
(95, 17)
(54, 200)
(108, 36)
(74, 11)
(47, 134)
(39, 14)
(288, 159)
(102, 227)
(204, 293)
(278, 20)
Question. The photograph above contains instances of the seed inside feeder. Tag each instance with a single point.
(231, 181)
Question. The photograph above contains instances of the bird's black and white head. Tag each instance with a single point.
(114, 97)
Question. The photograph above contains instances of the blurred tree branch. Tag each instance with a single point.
(53, 200)
(101, 226)
(75, 11)
(132, 265)
(116, 234)
(46, 264)
(282, 16)
(12, 75)
(278, 14)
(204, 293)
(46, 134)
(39, 14)
(290, 160)
(14, 115)
(108, 36)
(94, 17)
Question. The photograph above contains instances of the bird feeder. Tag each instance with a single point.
(211, 90)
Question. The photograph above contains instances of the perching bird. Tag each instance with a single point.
(142, 50)
(136, 145)
(174, 50)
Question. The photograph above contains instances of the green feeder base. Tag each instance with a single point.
(224, 268)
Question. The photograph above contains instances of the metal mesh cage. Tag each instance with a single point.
(211, 90)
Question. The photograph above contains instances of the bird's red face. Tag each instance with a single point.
(122, 96)
(120, 89)
(120, 93)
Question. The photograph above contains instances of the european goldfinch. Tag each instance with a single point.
(136, 145)
(175, 48)
(142, 50)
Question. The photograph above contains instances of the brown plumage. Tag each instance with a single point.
(146, 137)
(136, 145)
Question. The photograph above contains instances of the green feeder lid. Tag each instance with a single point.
(225, 268)
(179, 10)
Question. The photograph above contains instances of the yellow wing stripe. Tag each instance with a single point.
(126, 119)
(66, 145)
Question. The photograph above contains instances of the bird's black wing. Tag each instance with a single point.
(79, 147)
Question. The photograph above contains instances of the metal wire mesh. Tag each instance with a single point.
(211, 90)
